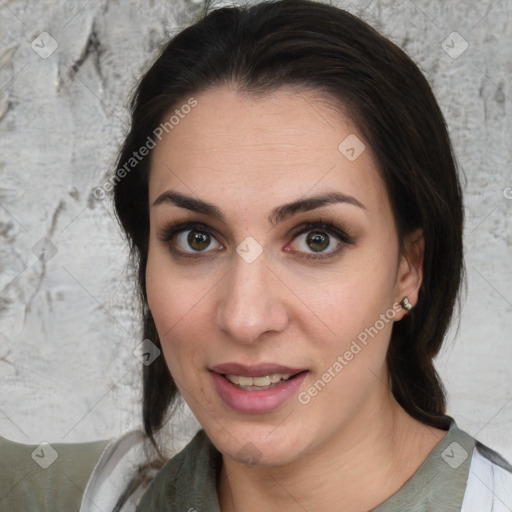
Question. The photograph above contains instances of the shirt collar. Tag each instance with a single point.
(189, 480)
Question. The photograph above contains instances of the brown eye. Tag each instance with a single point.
(311, 240)
(195, 240)
(317, 241)
(198, 240)
(188, 239)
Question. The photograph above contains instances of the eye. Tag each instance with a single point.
(189, 235)
(315, 238)
(195, 240)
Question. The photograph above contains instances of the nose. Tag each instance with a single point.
(251, 301)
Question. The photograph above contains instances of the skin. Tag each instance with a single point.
(247, 156)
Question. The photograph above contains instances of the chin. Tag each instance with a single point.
(259, 445)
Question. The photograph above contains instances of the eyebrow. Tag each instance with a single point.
(279, 214)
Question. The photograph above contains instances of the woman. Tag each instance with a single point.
(292, 204)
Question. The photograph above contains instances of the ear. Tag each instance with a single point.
(410, 270)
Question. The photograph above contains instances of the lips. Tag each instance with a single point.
(258, 370)
(255, 399)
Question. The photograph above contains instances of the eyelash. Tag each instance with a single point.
(169, 231)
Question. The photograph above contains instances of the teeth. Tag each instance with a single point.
(264, 381)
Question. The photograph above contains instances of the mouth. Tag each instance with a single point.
(260, 383)
(256, 377)
(259, 388)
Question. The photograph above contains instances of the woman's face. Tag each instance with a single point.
(253, 292)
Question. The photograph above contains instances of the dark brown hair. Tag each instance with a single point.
(263, 47)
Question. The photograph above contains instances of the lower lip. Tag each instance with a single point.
(256, 401)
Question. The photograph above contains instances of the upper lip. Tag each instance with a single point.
(257, 370)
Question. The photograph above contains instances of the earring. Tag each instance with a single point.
(406, 304)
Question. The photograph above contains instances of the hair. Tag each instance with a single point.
(273, 44)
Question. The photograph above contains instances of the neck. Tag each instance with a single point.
(364, 463)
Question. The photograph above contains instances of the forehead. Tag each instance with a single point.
(263, 149)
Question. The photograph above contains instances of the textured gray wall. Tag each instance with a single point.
(68, 329)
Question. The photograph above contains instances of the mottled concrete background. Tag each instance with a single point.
(68, 330)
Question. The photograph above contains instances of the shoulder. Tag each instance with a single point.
(45, 476)
(131, 461)
(489, 484)
(123, 462)
(190, 474)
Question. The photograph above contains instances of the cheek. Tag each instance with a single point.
(175, 302)
(353, 359)
(354, 297)
(173, 293)
(357, 306)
